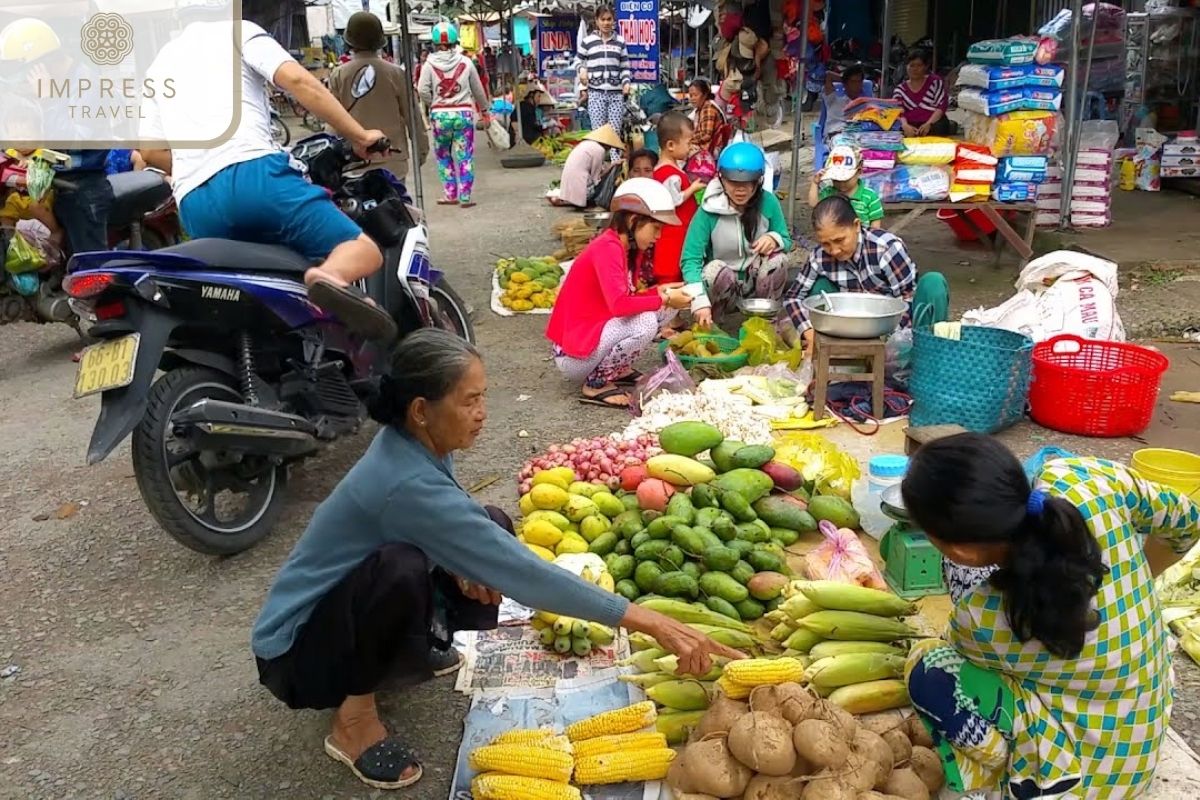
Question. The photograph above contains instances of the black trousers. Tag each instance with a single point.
(83, 211)
(374, 628)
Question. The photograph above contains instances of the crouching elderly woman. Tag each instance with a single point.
(399, 557)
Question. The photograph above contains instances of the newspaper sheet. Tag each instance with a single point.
(512, 658)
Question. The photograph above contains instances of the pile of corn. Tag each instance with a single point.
(848, 641)
(537, 764)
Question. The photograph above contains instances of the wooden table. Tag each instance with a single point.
(1023, 245)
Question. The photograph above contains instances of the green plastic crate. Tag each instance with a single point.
(913, 566)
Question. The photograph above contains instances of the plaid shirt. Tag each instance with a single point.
(880, 265)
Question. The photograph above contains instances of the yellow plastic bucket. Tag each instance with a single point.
(1176, 468)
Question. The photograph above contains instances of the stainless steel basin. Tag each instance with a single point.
(854, 315)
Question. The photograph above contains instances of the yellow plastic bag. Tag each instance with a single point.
(928, 150)
(763, 345)
(23, 256)
(832, 470)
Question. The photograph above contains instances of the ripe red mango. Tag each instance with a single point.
(632, 477)
(653, 494)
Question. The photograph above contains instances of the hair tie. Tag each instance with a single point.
(1036, 503)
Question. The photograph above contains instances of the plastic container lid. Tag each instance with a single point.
(888, 466)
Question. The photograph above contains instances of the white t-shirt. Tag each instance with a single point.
(202, 106)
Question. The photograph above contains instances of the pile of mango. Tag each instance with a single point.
(528, 283)
(687, 343)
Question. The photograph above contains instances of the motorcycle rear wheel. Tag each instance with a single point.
(165, 470)
(451, 313)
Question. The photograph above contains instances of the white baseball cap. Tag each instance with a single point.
(842, 164)
(647, 197)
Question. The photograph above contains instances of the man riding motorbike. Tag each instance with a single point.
(247, 188)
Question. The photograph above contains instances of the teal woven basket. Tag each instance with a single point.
(980, 381)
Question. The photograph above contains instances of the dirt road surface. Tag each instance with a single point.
(134, 675)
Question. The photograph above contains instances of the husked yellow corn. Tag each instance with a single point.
(625, 765)
(494, 786)
(764, 671)
(523, 759)
(871, 697)
(622, 741)
(609, 723)
(537, 737)
(732, 689)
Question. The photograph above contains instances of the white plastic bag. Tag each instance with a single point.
(498, 135)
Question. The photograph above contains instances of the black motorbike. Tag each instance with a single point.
(254, 377)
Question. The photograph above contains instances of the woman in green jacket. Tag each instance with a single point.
(737, 242)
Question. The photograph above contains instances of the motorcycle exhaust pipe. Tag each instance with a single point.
(234, 427)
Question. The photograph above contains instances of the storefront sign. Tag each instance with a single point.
(637, 22)
(555, 40)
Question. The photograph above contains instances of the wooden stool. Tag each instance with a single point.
(829, 351)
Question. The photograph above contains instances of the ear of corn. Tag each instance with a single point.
(642, 641)
(851, 668)
(764, 671)
(643, 660)
(836, 596)
(855, 626)
(783, 630)
(798, 606)
(871, 697)
(730, 638)
(493, 786)
(677, 725)
(537, 737)
(645, 680)
(690, 612)
(827, 649)
(681, 695)
(625, 741)
(732, 689)
(529, 761)
(802, 640)
(670, 665)
(625, 765)
(622, 720)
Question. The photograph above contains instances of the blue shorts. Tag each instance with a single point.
(267, 201)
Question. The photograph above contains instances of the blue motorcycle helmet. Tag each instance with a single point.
(742, 161)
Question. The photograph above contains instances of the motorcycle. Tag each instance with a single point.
(254, 376)
(143, 214)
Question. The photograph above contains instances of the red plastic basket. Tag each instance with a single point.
(1094, 387)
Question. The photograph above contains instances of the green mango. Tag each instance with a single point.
(691, 568)
(724, 528)
(689, 438)
(671, 558)
(765, 561)
(785, 536)
(721, 606)
(638, 539)
(751, 484)
(738, 506)
(621, 567)
(719, 584)
(628, 589)
(722, 454)
(703, 497)
(677, 584)
(721, 559)
(603, 544)
(834, 509)
(782, 511)
(750, 609)
(680, 505)
(705, 517)
(646, 575)
(687, 539)
(752, 456)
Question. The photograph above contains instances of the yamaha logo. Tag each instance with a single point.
(221, 293)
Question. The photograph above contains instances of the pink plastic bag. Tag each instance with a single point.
(842, 557)
(671, 377)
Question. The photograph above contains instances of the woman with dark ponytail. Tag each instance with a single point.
(400, 556)
(1055, 679)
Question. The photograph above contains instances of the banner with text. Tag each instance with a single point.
(637, 22)
(555, 40)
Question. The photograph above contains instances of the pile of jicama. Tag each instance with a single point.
(786, 743)
(732, 415)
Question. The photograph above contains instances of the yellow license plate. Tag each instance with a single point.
(108, 365)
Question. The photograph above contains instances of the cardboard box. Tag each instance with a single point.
(1179, 172)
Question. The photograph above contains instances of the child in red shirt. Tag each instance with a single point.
(674, 141)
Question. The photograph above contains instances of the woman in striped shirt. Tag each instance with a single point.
(923, 97)
(604, 73)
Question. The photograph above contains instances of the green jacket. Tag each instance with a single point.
(716, 233)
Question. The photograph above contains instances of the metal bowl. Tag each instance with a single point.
(854, 315)
(763, 307)
(597, 219)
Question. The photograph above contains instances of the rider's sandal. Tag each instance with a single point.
(355, 309)
(380, 765)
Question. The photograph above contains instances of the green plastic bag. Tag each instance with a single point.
(22, 256)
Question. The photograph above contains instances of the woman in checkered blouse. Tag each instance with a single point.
(1055, 678)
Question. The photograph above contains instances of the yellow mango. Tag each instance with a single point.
(553, 517)
(608, 503)
(567, 473)
(593, 526)
(552, 478)
(526, 505)
(571, 543)
(549, 497)
(525, 293)
(522, 305)
(578, 507)
(520, 277)
(584, 488)
(541, 552)
(541, 533)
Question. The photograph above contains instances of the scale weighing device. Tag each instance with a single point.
(912, 565)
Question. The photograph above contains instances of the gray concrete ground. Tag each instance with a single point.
(135, 676)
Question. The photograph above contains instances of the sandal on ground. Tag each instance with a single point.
(355, 309)
(602, 399)
(467, 204)
(381, 765)
(629, 379)
(446, 201)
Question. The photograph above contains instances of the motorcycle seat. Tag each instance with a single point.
(136, 194)
(242, 256)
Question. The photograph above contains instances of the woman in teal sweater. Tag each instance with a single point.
(400, 556)
(737, 242)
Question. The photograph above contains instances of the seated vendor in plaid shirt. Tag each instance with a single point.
(851, 257)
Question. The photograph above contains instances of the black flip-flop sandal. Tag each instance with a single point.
(598, 400)
(629, 380)
(351, 306)
(381, 765)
